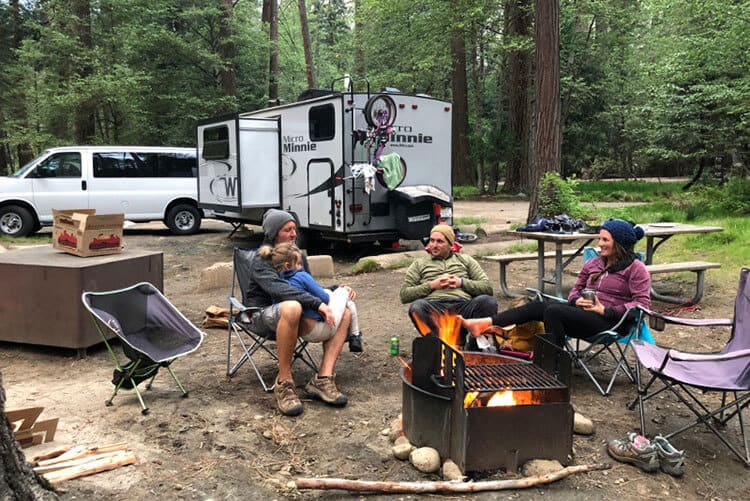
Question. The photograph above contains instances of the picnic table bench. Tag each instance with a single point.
(697, 267)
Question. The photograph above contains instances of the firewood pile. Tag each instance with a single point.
(67, 463)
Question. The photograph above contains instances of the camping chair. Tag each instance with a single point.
(153, 334)
(687, 374)
(609, 344)
(240, 330)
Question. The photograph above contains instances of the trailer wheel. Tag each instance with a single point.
(374, 108)
(183, 219)
(16, 221)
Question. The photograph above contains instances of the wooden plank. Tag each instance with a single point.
(509, 258)
(82, 451)
(684, 266)
(75, 462)
(121, 458)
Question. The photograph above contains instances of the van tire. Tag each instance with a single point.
(183, 219)
(16, 221)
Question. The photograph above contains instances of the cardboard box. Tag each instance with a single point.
(84, 233)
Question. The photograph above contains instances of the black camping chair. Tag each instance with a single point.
(153, 334)
(240, 331)
(611, 344)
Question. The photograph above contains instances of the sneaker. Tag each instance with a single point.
(670, 459)
(355, 342)
(286, 398)
(636, 450)
(324, 388)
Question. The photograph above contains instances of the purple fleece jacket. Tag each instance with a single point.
(617, 291)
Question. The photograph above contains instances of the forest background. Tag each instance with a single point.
(646, 87)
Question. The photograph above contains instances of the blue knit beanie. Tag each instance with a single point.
(624, 232)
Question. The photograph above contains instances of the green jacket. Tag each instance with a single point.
(422, 271)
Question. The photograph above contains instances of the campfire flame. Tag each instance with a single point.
(449, 328)
(498, 399)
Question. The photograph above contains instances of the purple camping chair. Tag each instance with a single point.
(687, 374)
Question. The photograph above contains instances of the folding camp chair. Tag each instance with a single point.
(153, 334)
(615, 342)
(240, 330)
(687, 374)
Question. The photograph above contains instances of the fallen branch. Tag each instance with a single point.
(119, 458)
(431, 487)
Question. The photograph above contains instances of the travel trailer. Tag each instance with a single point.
(351, 167)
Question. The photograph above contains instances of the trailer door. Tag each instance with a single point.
(260, 162)
(320, 187)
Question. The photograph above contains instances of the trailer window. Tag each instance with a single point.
(216, 143)
(322, 122)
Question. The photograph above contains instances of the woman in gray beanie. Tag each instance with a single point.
(616, 278)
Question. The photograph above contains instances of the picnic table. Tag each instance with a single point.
(656, 234)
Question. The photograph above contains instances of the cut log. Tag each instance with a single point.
(74, 462)
(120, 458)
(432, 487)
(80, 451)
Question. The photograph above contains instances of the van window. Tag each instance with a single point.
(322, 122)
(216, 143)
(59, 165)
(124, 164)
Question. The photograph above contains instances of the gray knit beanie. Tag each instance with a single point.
(273, 220)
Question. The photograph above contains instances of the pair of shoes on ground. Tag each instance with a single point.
(355, 342)
(647, 455)
(323, 388)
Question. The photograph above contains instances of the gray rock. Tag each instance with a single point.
(402, 451)
(537, 467)
(425, 459)
(451, 471)
(582, 425)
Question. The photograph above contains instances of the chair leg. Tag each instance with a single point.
(179, 385)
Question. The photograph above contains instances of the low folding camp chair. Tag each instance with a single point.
(240, 331)
(612, 344)
(153, 334)
(690, 376)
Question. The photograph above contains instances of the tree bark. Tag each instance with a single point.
(359, 53)
(306, 46)
(476, 81)
(227, 51)
(17, 479)
(518, 173)
(459, 138)
(547, 115)
(273, 59)
(85, 115)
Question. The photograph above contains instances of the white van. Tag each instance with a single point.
(145, 183)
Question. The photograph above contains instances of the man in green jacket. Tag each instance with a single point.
(446, 282)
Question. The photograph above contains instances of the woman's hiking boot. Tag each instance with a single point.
(636, 450)
(671, 460)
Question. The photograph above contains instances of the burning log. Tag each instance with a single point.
(436, 487)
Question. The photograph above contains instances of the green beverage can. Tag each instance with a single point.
(394, 346)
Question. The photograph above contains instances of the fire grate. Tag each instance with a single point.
(510, 376)
(488, 411)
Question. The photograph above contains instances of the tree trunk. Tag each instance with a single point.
(227, 51)
(85, 116)
(359, 54)
(17, 478)
(306, 43)
(476, 81)
(459, 138)
(547, 138)
(518, 173)
(273, 60)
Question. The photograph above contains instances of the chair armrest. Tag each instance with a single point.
(693, 322)
(241, 308)
(706, 357)
(540, 296)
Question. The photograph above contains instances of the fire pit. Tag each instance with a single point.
(488, 411)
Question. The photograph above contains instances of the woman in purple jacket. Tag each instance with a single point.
(619, 281)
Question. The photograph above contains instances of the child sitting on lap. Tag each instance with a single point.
(287, 261)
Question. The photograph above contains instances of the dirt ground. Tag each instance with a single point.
(227, 441)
